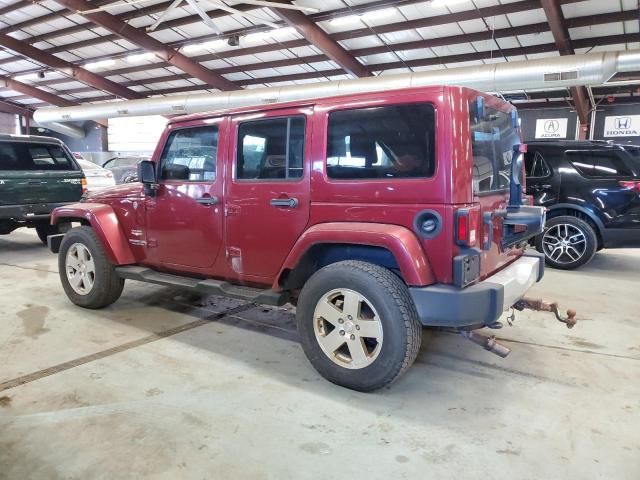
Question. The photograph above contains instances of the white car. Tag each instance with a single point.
(97, 177)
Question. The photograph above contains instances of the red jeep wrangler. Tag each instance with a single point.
(375, 214)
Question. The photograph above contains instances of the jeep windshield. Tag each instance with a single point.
(492, 139)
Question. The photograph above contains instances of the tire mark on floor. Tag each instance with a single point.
(31, 377)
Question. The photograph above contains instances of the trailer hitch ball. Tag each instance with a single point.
(542, 306)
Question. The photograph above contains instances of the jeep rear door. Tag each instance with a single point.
(267, 199)
(38, 173)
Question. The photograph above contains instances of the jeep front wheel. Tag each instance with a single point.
(358, 325)
(87, 276)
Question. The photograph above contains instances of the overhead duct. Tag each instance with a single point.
(68, 129)
(548, 73)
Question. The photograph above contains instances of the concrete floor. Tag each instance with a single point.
(164, 385)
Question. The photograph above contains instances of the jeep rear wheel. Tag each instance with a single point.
(358, 325)
(87, 276)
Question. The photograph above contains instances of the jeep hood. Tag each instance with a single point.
(126, 190)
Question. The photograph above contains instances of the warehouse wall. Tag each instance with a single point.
(7, 123)
(92, 147)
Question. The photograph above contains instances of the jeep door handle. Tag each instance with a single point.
(284, 202)
(207, 200)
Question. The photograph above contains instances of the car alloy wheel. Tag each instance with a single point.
(81, 269)
(347, 328)
(564, 243)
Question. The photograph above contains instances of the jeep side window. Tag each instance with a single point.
(190, 155)
(598, 163)
(381, 142)
(535, 165)
(272, 148)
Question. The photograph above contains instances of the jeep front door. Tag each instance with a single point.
(184, 218)
(267, 200)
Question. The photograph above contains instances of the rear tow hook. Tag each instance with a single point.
(488, 343)
(542, 306)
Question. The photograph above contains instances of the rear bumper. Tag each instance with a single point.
(481, 304)
(620, 237)
(33, 212)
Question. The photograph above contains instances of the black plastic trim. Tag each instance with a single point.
(448, 306)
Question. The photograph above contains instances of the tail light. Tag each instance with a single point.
(466, 231)
(83, 182)
(630, 184)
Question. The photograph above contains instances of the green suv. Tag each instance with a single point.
(37, 174)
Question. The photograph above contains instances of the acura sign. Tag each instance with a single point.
(551, 127)
(622, 126)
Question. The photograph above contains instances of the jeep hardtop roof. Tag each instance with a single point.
(308, 102)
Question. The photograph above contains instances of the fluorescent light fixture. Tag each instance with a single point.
(100, 64)
(140, 57)
(446, 3)
(281, 32)
(372, 15)
(382, 13)
(348, 20)
(26, 76)
(197, 47)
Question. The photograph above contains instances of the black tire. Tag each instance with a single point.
(44, 229)
(107, 285)
(389, 296)
(564, 262)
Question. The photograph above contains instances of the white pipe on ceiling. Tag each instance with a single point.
(547, 73)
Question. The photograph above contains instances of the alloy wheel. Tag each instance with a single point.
(348, 328)
(81, 269)
(564, 243)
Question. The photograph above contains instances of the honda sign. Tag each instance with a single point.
(551, 127)
(622, 126)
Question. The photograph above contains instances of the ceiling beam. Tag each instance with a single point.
(321, 40)
(515, 7)
(12, 108)
(423, 62)
(67, 68)
(33, 92)
(147, 42)
(422, 44)
(560, 31)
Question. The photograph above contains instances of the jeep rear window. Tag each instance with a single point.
(598, 163)
(29, 156)
(382, 142)
(492, 140)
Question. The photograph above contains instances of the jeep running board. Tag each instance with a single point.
(209, 286)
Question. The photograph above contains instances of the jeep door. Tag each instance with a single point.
(267, 202)
(184, 218)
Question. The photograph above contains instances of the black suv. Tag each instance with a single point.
(591, 191)
(37, 174)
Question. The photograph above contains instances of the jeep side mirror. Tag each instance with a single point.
(147, 176)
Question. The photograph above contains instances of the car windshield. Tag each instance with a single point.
(492, 140)
(87, 165)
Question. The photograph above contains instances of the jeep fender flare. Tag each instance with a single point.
(400, 241)
(104, 221)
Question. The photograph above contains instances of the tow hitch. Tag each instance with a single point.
(542, 306)
(491, 344)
